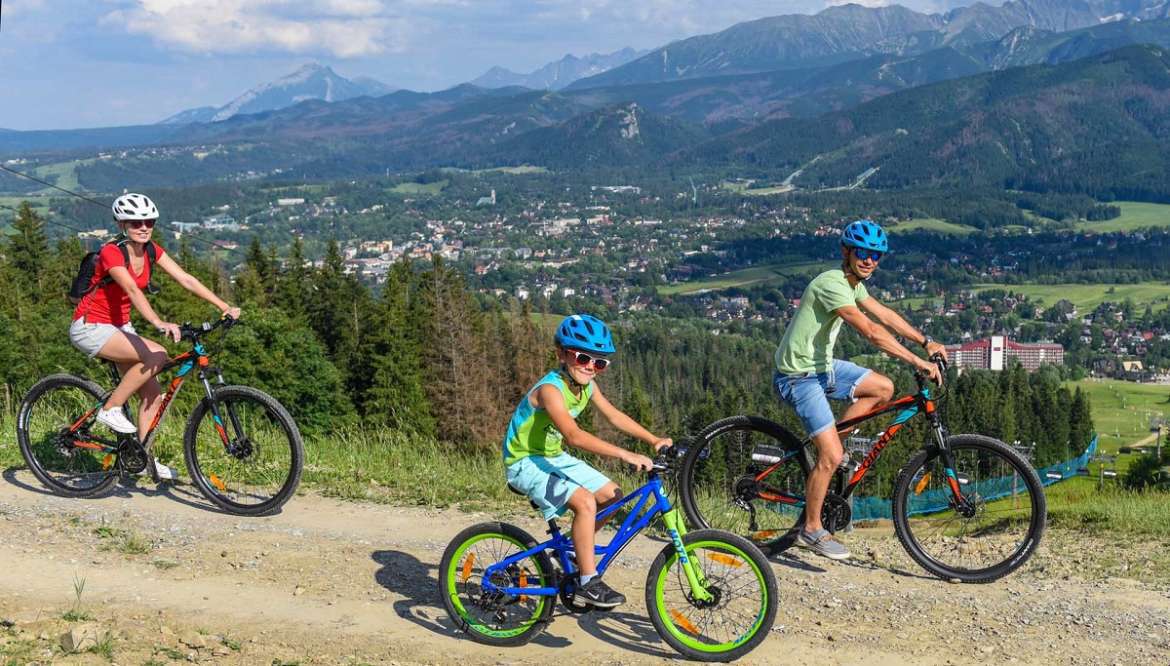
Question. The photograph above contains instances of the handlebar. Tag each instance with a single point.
(663, 461)
(940, 361)
(194, 333)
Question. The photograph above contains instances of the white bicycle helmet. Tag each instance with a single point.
(133, 206)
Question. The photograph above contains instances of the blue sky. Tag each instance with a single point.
(93, 63)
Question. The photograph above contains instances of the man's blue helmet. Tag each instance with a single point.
(585, 332)
(867, 235)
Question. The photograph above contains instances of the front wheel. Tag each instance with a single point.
(742, 607)
(490, 616)
(243, 451)
(995, 527)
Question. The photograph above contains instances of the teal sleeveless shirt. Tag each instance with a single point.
(531, 432)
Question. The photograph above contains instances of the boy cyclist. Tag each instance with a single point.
(807, 376)
(537, 465)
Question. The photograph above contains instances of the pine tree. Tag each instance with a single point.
(27, 251)
(396, 396)
(293, 288)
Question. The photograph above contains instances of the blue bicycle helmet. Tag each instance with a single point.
(867, 235)
(585, 332)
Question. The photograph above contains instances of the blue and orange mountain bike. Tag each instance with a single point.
(243, 449)
(966, 507)
(711, 595)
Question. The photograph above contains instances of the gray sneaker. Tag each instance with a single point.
(822, 543)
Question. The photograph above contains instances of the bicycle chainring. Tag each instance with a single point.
(132, 458)
(836, 513)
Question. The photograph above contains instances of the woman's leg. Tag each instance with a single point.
(139, 360)
(149, 401)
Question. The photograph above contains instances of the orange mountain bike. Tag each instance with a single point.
(966, 507)
(243, 449)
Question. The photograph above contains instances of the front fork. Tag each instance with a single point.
(944, 451)
(216, 416)
(676, 527)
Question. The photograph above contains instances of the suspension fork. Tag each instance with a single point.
(677, 529)
(944, 452)
(216, 415)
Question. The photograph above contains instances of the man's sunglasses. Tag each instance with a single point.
(866, 255)
(138, 224)
(582, 359)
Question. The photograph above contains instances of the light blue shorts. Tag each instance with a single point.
(550, 482)
(809, 393)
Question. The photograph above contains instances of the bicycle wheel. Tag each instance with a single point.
(739, 616)
(719, 487)
(55, 439)
(495, 618)
(996, 531)
(248, 460)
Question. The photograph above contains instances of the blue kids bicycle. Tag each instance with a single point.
(710, 594)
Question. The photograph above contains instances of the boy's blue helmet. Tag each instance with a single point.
(585, 332)
(867, 235)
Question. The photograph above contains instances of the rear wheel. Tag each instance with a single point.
(493, 617)
(992, 532)
(719, 488)
(247, 459)
(53, 430)
(742, 608)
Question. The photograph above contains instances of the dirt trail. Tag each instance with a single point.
(167, 579)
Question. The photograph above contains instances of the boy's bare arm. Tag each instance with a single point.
(548, 397)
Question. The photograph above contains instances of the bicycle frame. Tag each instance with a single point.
(634, 523)
(907, 407)
(185, 362)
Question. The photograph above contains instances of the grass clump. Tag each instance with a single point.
(127, 542)
(77, 613)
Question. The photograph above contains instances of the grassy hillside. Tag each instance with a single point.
(1122, 410)
(1088, 296)
(931, 224)
(1134, 215)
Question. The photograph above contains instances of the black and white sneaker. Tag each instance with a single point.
(597, 593)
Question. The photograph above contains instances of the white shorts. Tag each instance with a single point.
(90, 338)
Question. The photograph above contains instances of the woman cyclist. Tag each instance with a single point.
(101, 323)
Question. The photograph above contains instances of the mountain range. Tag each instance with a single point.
(850, 32)
(310, 81)
(558, 74)
(943, 115)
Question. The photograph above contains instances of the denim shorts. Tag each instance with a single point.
(809, 393)
(550, 482)
(90, 338)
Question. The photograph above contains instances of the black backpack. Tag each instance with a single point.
(81, 284)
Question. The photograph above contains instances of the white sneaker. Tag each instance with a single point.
(115, 420)
(165, 473)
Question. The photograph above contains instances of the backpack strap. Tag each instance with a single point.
(151, 256)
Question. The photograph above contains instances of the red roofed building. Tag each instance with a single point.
(992, 354)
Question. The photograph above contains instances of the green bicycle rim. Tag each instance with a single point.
(686, 639)
(453, 594)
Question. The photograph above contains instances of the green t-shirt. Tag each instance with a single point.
(807, 345)
(531, 431)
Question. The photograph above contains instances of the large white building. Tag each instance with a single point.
(992, 354)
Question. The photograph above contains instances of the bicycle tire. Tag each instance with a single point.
(912, 474)
(24, 424)
(725, 552)
(215, 487)
(783, 527)
(454, 566)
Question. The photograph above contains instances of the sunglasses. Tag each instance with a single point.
(582, 359)
(866, 255)
(138, 224)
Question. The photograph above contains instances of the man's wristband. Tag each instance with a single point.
(926, 339)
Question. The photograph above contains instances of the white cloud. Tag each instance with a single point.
(339, 28)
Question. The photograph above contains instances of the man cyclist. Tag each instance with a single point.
(807, 376)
